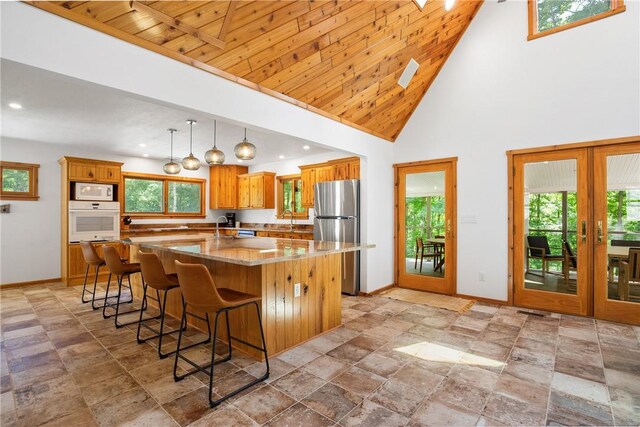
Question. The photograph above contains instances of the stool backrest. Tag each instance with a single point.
(152, 269)
(198, 288)
(113, 260)
(90, 254)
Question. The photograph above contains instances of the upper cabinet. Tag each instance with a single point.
(333, 170)
(223, 186)
(88, 170)
(257, 190)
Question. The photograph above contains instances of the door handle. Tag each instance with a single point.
(599, 231)
(584, 230)
(448, 228)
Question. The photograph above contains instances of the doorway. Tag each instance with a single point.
(576, 224)
(426, 225)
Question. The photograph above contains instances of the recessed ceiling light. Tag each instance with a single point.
(408, 73)
(448, 4)
(421, 3)
(15, 106)
(306, 147)
(142, 145)
(281, 156)
(145, 155)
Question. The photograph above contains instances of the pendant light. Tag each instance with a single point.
(214, 156)
(172, 167)
(245, 150)
(191, 162)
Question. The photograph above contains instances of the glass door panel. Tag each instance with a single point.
(552, 254)
(425, 252)
(617, 230)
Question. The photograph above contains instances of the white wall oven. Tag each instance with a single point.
(92, 191)
(94, 221)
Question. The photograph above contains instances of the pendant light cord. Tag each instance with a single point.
(171, 156)
(191, 138)
(215, 129)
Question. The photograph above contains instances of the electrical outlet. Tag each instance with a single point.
(481, 276)
(296, 290)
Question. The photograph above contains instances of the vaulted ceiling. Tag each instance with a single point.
(341, 59)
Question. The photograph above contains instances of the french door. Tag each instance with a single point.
(426, 226)
(576, 216)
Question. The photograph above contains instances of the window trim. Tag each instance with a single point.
(280, 180)
(617, 6)
(165, 193)
(30, 195)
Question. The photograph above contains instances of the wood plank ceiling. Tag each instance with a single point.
(341, 59)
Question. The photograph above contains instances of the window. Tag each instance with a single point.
(551, 16)
(290, 196)
(18, 181)
(157, 195)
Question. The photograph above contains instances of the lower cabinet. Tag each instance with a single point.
(285, 235)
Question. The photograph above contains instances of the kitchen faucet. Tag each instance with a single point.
(218, 225)
(290, 213)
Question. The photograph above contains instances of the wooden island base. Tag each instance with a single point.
(288, 320)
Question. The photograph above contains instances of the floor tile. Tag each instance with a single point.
(585, 389)
(298, 384)
(512, 411)
(437, 413)
(264, 404)
(371, 414)
(225, 417)
(326, 367)
(380, 365)
(568, 409)
(332, 401)
(125, 408)
(625, 406)
(190, 407)
(359, 381)
(299, 415)
(461, 394)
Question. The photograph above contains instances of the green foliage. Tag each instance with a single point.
(292, 195)
(143, 195)
(416, 220)
(184, 197)
(15, 180)
(555, 13)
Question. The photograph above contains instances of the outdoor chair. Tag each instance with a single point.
(629, 275)
(425, 251)
(538, 248)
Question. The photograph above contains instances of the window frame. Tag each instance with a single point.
(280, 180)
(165, 196)
(30, 195)
(617, 6)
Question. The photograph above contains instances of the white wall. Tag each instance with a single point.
(499, 92)
(32, 230)
(40, 39)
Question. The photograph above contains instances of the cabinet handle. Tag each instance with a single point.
(599, 231)
(584, 231)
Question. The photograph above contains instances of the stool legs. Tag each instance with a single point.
(117, 303)
(209, 369)
(93, 298)
(158, 334)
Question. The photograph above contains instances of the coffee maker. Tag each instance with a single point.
(231, 219)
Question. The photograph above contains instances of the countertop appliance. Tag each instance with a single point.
(92, 191)
(94, 221)
(337, 219)
(231, 220)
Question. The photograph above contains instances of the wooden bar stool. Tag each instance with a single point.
(154, 276)
(120, 269)
(201, 294)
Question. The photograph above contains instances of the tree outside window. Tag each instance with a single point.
(18, 181)
(290, 196)
(157, 195)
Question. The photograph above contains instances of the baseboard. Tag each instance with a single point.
(377, 291)
(482, 299)
(29, 283)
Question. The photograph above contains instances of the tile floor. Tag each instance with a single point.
(390, 364)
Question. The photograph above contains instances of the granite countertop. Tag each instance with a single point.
(212, 229)
(244, 250)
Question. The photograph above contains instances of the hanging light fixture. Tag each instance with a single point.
(245, 150)
(191, 162)
(214, 156)
(172, 167)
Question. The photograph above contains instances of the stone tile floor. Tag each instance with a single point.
(390, 364)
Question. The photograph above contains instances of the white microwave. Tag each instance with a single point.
(94, 221)
(89, 191)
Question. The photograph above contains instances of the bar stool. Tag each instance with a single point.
(92, 259)
(117, 267)
(201, 294)
(154, 276)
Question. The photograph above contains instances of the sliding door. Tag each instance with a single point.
(425, 237)
(552, 240)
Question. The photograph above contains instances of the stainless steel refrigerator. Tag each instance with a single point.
(337, 219)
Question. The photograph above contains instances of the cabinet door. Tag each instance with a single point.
(257, 191)
(324, 173)
(354, 170)
(308, 177)
(105, 173)
(82, 171)
(243, 193)
(341, 171)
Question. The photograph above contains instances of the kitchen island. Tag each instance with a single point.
(299, 281)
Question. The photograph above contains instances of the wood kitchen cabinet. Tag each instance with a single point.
(223, 186)
(257, 190)
(87, 170)
(333, 170)
(285, 235)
